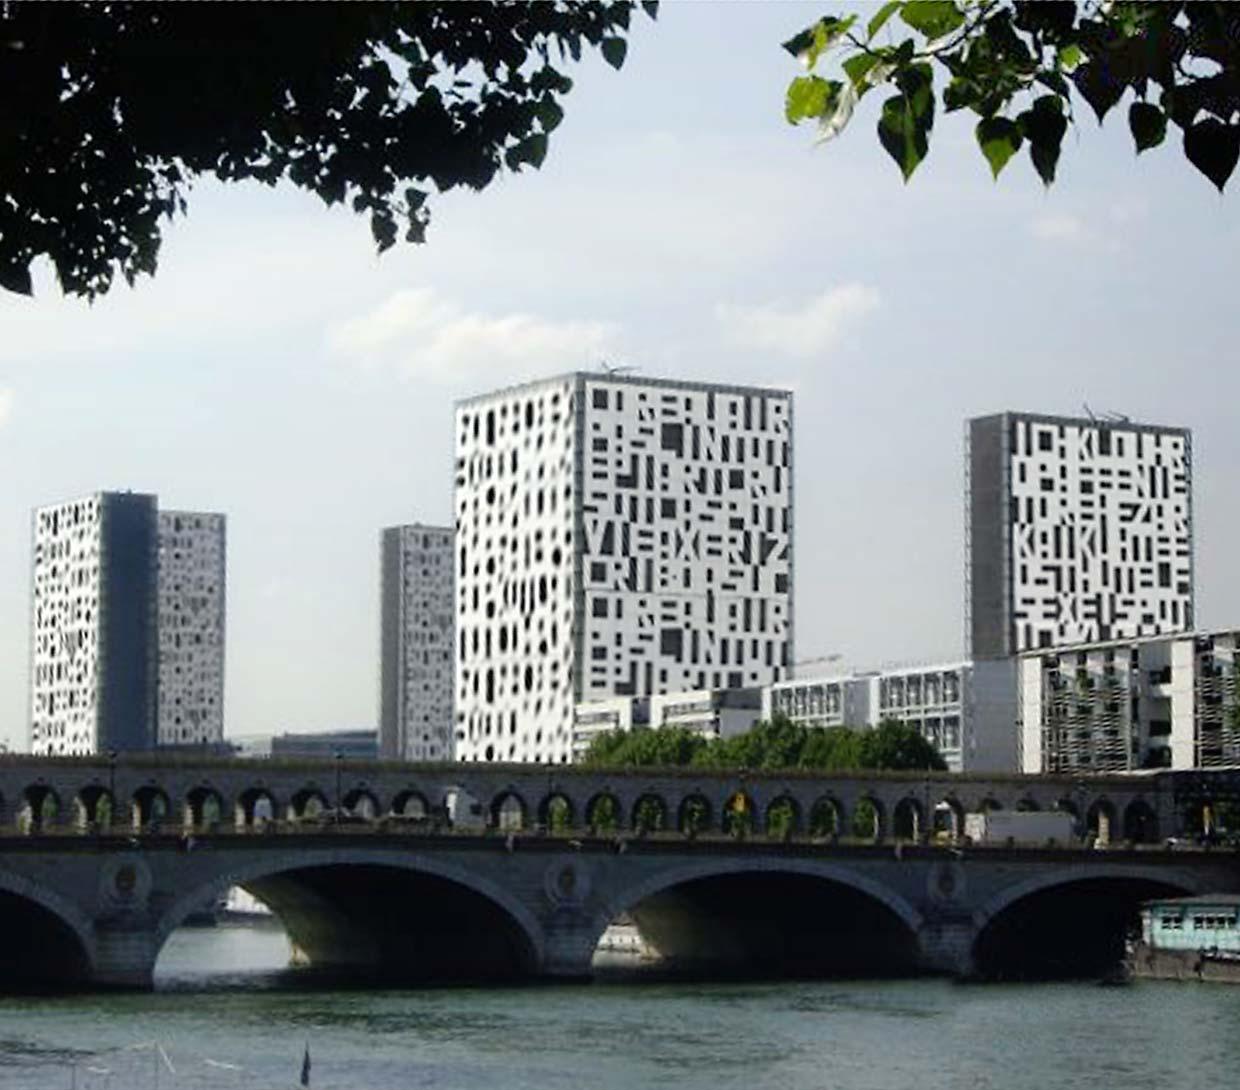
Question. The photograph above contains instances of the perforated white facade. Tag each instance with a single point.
(92, 623)
(416, 682)
(127, 626)
(615, 537)
(191, 627)
(1078, 531)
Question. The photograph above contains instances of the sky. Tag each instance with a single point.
(279, 371)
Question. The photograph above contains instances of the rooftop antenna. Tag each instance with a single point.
(1117, 418)
(610, 368)
(1090, 413)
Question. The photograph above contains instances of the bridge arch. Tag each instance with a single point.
(556, 812)
(1069, 922)
(411, 803)
(255, 806)
(53, 940)
(149, 807)
(603, 812)
(826, 817)
(782, 819)
(205, 807)
(95, 807)
(364, 910)
(361, 802)
(649, 814)
(766, 915)
(307, 803)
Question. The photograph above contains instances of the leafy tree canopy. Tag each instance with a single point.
(110, 110)
(774, 744)
(1020, 67)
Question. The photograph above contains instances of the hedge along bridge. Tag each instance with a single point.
(785, 872)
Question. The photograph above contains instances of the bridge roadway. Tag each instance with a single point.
(782, 872)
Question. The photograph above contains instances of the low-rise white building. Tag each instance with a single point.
(967, 709)
(1158, 702)
(712, 713)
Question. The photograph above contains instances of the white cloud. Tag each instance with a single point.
(798, 331)
(6, 404)
(420, 333)
(1059, 227)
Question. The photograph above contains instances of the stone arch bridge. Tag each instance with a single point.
(482, 871)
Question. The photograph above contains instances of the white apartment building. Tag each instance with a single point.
(712, 713)
(93, 643)
(416, 638)
(968, 710)
(1157, 702)
(616, 536)
(1077, 531)
(192, 557)
(126, 625)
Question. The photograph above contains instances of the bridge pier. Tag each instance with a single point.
(124, 957)
(945, 945)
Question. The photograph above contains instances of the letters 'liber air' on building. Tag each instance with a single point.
(1077, 531)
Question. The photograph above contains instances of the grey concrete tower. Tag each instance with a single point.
(416, 643)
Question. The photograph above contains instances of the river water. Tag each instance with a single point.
(224, 1014)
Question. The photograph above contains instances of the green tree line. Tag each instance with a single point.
(777, 743)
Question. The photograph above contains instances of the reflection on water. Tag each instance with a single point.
(226, 1013)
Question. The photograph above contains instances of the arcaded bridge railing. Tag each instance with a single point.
(137, 794)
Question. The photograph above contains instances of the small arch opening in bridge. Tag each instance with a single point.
(555, 813)
(908, 820)
(826, 818)
(95, 808)
(783, 818)
(149, 808)
(649, 814)
(948, 819)
(39, 951)
(868, 819)
(308, 804)
(256, 807)
(40, 809)
(766, 924)
(508, 812)
(694, 815)
(205, 808)
(411, 804)
(738, 819)
(1100, 821)
(1075, 929)
(387, 925)
(603, 813)
(360, 803)
(1140, 822)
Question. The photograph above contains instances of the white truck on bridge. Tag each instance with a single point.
(1020, 827)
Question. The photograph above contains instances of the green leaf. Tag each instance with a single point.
(614, 50)
(1213, 149)
(813, 41)
(933, 18)
(1000, 139)
(1098, 86)
(1148, 124)
(16, 278)
(532, 150)
(884, 13)
(1069, 56)
(1044, 125)
(809, 97)
(549, 113)
(857, 67)
(903, 134)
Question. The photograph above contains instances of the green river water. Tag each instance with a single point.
(225, 1015)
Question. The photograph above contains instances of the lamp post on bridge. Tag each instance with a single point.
(111, 792)
(336, 809)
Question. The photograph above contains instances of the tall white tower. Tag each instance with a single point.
(416, 638)
(615, 536)
(1078, 531)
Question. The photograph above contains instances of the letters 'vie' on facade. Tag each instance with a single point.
(615, 536)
